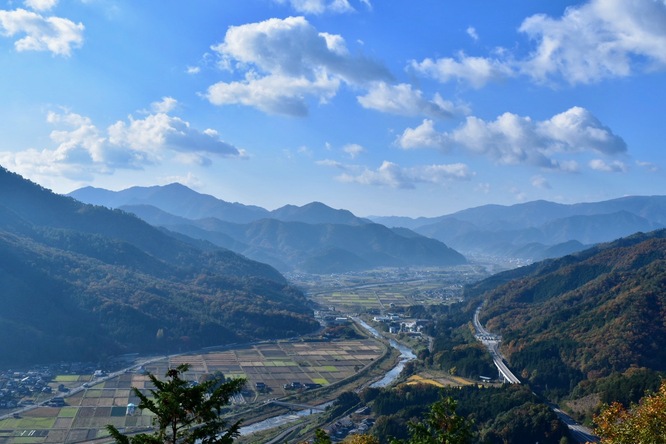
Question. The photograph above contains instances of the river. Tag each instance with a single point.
(406, 355)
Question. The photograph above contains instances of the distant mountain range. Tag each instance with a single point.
(312, 238)
(540, 229)
(83, 282)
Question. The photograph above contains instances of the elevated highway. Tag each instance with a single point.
(491, 342)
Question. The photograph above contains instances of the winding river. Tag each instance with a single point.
(406, 355)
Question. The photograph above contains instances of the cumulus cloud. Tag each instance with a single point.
(475, 71)
(40, 5)
(590, 42)
(317, 7)
(540, 182)
(81, 146)
(392, 175)
(402, 100)
(285, 62)
(55, 34)
(512, 139)
(424, 136)
(596, 40)
(608, 167)
(166, 105)
(353, 150)
(472, 33)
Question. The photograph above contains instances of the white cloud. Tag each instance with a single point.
(476, 71)
(596, 40)
(332, 163)
(653, 168)
(512, 139)
(285, 62)
(166, 105)
(55, 34)
(592, 41)
(353, 150)
(540, 182)
(82, 149)
(393, 175)
(193, 70)
(317, 7)
(424, 136)
(402, 100)
(472, 33)
(274, 94)
(608, 167)
(578, 130)
(40, 5)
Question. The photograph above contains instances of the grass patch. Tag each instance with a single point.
(36, 423)
(67, 378)
(321, 381)
(68, 412)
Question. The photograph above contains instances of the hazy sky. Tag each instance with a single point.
(382, 107)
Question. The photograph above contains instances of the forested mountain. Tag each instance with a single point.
(313, 238)
(574, 321)
(312, 247)
(82, 282)
(174, 198)
(540, 229)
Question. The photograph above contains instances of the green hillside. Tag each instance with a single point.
(583, 317)
(84, 282)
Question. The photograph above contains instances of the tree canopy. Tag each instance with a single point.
(641, 423)
(185, 413)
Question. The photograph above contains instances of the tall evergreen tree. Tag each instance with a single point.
(185, 413)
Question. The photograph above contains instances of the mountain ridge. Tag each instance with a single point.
(84, 282)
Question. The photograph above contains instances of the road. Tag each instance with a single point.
(492, 341)
(579, 432)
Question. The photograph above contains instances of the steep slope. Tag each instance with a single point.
(82, 282)
(583, 316)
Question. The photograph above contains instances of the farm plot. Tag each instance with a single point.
(275, 365)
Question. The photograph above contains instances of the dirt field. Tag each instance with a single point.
(87, 413)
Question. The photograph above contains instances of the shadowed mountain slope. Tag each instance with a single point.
(83, 282)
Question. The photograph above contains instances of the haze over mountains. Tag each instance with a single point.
(530, 231)
(313, 238)
(84, 282)
(540, 229)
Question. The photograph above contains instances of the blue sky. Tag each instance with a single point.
(416, 108)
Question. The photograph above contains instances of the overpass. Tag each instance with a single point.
(491, 342)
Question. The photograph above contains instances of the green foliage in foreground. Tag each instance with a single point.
(186, 413)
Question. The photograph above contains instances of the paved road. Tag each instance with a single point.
(579, 432)
(491, 341)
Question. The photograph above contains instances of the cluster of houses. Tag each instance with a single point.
(296, 385)
(357, 423)
(26, 387)
(396, 324)
(16, 386)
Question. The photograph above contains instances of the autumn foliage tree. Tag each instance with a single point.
(642, 423)
(185, 413)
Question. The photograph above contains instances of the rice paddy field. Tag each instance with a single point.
(382, 290)
(86, 413)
